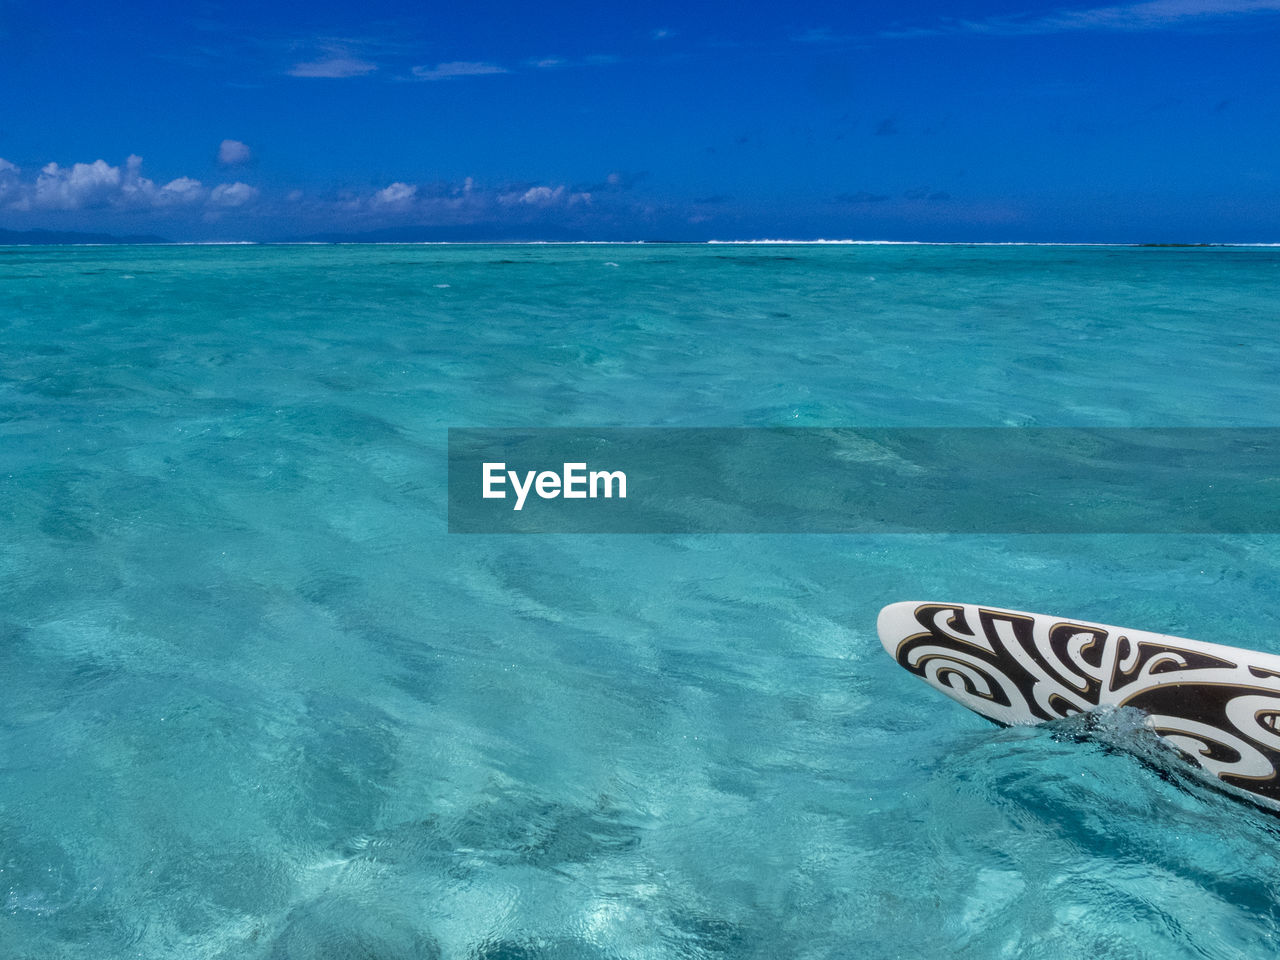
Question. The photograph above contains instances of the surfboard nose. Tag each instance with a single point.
(896, 621)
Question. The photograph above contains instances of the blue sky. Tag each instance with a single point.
(982, 120)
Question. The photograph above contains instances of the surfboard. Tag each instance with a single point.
(1219, 705)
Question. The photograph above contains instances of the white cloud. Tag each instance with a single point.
(1154, 13)
(542, 196)
(457, 68)
(76, 187)
(334, 65)
(180, 193)
(1146, 15)
(123, 188)
(135, 189)
(396, 195)
(97, 185)
(232, 194)
(233, 152)
(9, 183)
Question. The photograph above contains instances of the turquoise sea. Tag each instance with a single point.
(256, 702)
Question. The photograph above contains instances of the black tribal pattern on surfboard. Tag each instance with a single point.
(1220, 705)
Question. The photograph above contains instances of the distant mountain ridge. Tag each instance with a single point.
(21, 237)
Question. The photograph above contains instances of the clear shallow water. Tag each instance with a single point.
(257, 703)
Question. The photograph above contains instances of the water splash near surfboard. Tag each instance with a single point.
(1219, 705)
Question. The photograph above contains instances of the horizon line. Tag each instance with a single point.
(821, 241)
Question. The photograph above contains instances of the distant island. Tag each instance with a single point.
(46, 237)
(489, 232)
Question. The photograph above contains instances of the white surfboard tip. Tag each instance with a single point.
(1219, 705)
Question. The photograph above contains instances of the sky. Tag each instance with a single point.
(975, 120)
